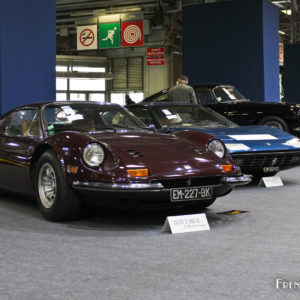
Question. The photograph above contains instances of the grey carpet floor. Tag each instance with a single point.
(111, 254)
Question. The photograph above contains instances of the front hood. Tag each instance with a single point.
(253, 138)
(162, 154)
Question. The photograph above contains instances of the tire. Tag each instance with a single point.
(56, 200)
(275, 122)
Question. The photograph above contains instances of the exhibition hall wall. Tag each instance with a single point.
(27, 52)
(235, 42)
(291, 73)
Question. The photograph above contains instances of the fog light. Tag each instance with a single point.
(227, 168)
(138, 172)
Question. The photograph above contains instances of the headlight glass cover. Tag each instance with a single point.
(217, 147)
(93, 155)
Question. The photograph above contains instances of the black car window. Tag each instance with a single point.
(142, 114)
(23, 123)
(205, 96)
(228, 94)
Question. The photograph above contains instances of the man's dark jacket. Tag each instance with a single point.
(182, 92)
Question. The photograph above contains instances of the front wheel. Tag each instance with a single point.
(56, 200)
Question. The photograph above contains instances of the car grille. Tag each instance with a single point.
(258, 160)
(189, 182)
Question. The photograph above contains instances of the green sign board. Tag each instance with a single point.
(109, 35)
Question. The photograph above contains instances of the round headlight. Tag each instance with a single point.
(217, 148)
(93, 155)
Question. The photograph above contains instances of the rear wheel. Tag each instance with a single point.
(275, 122)
(56, 200)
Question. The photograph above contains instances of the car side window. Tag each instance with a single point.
(143, 115)
(24, 123)
(205, 96)
(117, 118)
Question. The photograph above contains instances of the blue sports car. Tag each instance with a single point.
(259, 150)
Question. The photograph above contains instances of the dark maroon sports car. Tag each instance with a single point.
(66, 152)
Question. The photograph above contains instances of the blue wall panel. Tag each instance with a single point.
(224, 43)
(271, 51)
(27, 52)
(291, 73)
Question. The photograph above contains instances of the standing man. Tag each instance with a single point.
(182, 92)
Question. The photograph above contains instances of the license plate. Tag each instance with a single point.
(193, 193)
(270, 169)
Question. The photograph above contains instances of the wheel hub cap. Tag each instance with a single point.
(47, 185)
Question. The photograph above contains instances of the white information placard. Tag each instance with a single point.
(271, 181)
(186, 223)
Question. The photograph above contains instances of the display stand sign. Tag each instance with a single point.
(155, 56)
(109, 35)
(271, 181)
(186, 223)
(155, 61)
(132, 34)
(156, 51)
(87, 37)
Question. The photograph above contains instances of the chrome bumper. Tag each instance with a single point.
(239, 180)
(117, 186)
(230, 181)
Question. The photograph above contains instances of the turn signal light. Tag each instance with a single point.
(138, 172)
(72, 169)
(227, 168)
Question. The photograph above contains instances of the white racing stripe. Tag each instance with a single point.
(295, 142)
(237, 147)
(253, 137)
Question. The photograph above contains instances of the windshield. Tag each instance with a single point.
(86, 117)
(228, 94)
(190, 116)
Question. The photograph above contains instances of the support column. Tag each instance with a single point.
(27, 52)
(235, 42)
(291, 73)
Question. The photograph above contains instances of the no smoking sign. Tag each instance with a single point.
(87, 37)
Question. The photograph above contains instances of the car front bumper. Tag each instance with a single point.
(110, 193)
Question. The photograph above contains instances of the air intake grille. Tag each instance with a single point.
(259, 160)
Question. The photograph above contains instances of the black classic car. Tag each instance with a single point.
(65, 152)
(228, 101)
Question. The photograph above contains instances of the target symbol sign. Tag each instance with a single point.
(132, 34)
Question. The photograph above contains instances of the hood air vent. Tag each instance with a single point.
(134, 153)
